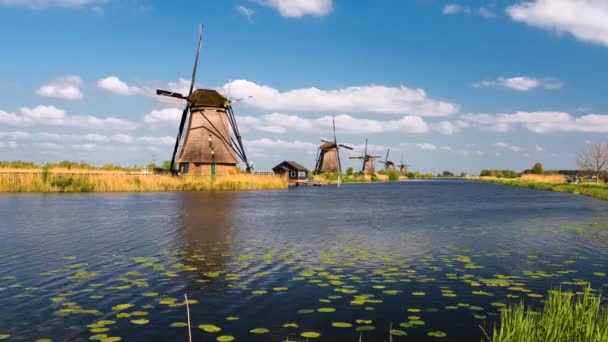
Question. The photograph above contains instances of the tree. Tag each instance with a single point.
(463, 174)
(447, 174)
(167, 165)
(538, 169)
(594, 158)
(349, 171)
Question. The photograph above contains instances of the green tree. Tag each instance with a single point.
(538, 169)
(349, 171)
(447, 174)
(167, 164)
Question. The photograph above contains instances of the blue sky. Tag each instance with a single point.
(458, 86)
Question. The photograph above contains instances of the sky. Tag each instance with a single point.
(459, 86)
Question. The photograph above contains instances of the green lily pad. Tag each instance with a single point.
(365, 328)
(98, 337)
(326, 310)
(140, 321)
(305, 311)
(112, 339)
(210, 328)
(121, 307)
(179, 325)
(290, 325)
(98, 330)
(259, 331)
(396, 332)
(310, 334)
(341, 325)
(437, 334)
(232, 318)
(44, 340)
(225, 338)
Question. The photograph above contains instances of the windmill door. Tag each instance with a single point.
(213, 169)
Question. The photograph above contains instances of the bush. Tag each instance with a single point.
(393, 175)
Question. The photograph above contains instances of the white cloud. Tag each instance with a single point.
(66, 87)
(445, 127)
(508, 146)
(539, 122)
(53, 116)
(539, 148)
(486, 12)
(115, 85)
(8, 144)
(85, 147)
(522, 83)
(300, 8)
(38, 4)
(246, 12)
(160, 115)
(48, 146)
(426, 146)
(266, 143)
(284, 123)
(364, 99)
(452, 9)
(584, 19)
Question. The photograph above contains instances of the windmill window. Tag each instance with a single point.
(292, 174)
(301, 174)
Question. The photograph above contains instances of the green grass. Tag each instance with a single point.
(599, 191)
(565, 316)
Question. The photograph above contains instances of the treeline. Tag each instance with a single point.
(69, 165)
(499, 173)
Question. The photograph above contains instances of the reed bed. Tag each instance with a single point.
(49, 182)
(565, 316)
(558, 179)
(595, 190)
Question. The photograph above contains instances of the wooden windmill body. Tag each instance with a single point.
(388, 165)
(208, 134)
(329, 155)
(369, 162)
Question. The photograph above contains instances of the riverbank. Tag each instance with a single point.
(45, 182)
(599, 191)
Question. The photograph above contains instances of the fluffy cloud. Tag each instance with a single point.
(300, 8)
(540, 149)
(67, 88)
(115, 85)
(53, 116)
(539, 122)
(508, 146)
(167, 114)
(426, 146)
(283, 123)
(246, 12)
(522, 83)
(486, 12)
(50, 3)
(266, 143)
(452, 9)
(364, 99)
(444, 127)
(8, 144)
(584, 19)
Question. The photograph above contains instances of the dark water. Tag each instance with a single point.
(429, 256)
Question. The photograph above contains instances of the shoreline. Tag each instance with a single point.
(597, 191)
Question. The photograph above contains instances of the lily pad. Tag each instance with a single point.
(258, 331)
(365, 328)
(396, 332)
(225, 338)
(341, 325)
(121, 307)
(326, 310)
(310, 334)
(140, 321)
(179, 325)
(437, 334)
(210, 328)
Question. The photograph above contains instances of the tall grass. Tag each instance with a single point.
(599, 191)
(49, 182)
(565, 316)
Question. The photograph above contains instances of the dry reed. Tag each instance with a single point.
(558, 179)
(49, 182)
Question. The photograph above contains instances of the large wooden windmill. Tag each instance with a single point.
(369, 162)
(210, 143)
(388, 165)
(403, 167)
(328, 159)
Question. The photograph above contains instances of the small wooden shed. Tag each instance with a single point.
(292, 170)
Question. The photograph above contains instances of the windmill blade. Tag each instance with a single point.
(179, 136)
(242, 98)
(356, 157)
(325, 141)
(346, 147)
(170, 94)
(333, 119)
(387, 151)
(365, 147)
(198, 51)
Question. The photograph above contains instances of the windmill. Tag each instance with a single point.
(388, 165)
(328, 159)
(369, 167)
(403, 167)
(210, 143)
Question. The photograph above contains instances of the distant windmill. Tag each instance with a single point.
(211, 142)
(328, 159)
(388, 165)
(369, 167)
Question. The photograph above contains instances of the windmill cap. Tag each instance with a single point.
(207, 98)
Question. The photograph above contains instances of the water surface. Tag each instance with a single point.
(428, 256)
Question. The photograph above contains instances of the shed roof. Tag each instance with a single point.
(289, 165)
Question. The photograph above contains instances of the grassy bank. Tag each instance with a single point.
(565, 316)
(82, 182)
(599, 191)
(332, 178)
